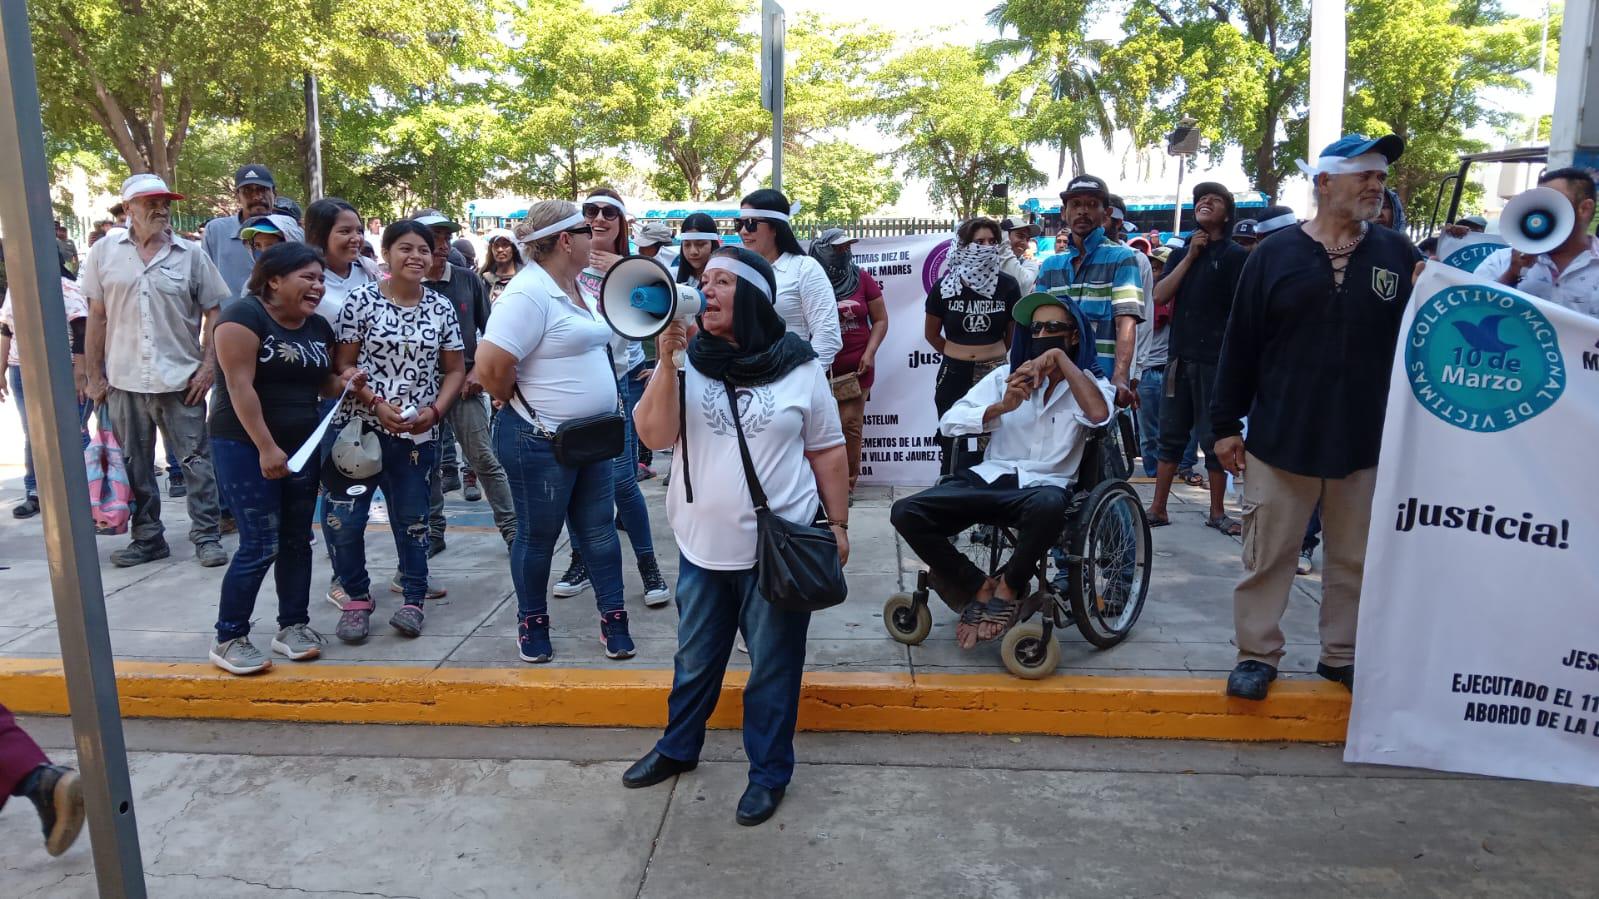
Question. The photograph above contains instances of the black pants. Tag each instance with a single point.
(927, 519)
(955, 380)
(1185, 412)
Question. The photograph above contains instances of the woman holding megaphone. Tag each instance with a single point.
(544, 356)
(751, 413)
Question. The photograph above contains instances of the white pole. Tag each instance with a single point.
(1328, 54)
(1574, 132)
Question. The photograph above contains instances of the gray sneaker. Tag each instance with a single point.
(210, 554)
(434, 591)
(139, 553)
(298, 642)
(239, 656)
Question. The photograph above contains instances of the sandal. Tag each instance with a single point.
(971, 617)
(1157, 522)
(1002, 612)
(1226, 524)
(1191, 477)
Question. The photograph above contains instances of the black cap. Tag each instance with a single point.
(1274, 218)
(288, 207)
(1215, 189)
(1086, 186)
(1245, 229)
(1009, 225)
(254, 173)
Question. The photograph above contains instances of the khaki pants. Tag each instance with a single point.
(1277, 506)
(851, 415)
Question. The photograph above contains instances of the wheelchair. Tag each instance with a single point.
(1096, 576)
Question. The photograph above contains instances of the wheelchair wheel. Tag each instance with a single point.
(907, 621)
(1027, 653)
(1110, 583)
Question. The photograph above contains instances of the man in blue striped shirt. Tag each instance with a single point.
(1102, 277)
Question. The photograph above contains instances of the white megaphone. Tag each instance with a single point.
(639, 298)
(1537, 221)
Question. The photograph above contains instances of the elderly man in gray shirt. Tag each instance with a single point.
(151, 294)
(256, 192)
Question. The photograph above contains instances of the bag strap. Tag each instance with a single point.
(757, 495)
(682, 433)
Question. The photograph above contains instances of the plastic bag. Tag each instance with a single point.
(110, 494)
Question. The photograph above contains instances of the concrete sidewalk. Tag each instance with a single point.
(165, 611)
(253, 810)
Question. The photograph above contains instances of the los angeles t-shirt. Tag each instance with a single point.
(400, 347)
(290, 368)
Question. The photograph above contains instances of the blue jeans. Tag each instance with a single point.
(404, 481)
(1151, 388)
(30, 484)
(711, 607)
(630, 506)
(545, 494)
(274, 519)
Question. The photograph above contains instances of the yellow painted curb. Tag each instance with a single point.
(1066, 705)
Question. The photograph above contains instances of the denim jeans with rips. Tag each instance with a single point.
(404, 482)
(274, 516)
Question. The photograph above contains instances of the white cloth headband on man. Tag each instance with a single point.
(603, 200)
(571, 221)
(754, 213)
(700, 235)
(742, 271)
(1344, 165)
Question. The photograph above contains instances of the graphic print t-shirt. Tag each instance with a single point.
(971, 319)
(400, 349)
(783, 421)
(289, 370)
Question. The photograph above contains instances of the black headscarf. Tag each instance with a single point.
(762, 349)
(840, 267)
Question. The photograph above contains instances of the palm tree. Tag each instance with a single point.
(1067, 62)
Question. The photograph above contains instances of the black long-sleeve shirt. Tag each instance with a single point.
(1204, 299)
(1308, 361)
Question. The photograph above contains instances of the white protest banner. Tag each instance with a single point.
(1469, 251)
(1478, 643)
(897, 445)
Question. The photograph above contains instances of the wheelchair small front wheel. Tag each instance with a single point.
(1027, 653)
(907, 621)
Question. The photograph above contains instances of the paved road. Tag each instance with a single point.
(255, 810)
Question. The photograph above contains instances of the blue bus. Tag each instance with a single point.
(1146, 214)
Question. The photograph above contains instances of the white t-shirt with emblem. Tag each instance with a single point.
(783, 421)
(400, 348)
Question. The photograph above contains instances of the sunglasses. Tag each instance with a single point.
(1039, 329)
(745, 225)
(581, 229)
(600, 210)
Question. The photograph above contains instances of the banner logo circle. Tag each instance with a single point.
(933, 268)
(1483, 359)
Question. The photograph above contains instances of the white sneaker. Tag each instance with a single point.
(1306, 565)
(739, 644)
(239, 656)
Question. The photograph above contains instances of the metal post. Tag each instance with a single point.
(1574, 130)
(313, 139)
(1177, 201)
(773, 70)
(63, 489)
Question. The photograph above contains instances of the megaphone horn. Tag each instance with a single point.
(1537, 221)
(639, 298)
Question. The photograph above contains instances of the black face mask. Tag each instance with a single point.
(1042, 345)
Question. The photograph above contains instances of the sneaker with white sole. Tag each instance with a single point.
(239, 656)
(656, 592)
(575, 580)
(617, 641)
(337, 596)
(1306, 565)
(298, 642)
(739, 644)
(433, 591)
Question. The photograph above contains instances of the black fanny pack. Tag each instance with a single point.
(582, 441)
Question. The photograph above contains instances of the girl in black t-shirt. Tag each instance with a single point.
(275, 355)
(969, 319)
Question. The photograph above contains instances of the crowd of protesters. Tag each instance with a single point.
(394, 343)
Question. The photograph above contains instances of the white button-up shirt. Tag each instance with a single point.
(1576, 288)
(1040, 442)
(806, 302)
(154, 310)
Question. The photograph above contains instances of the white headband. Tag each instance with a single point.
(1272, 224)
(740, 270)
(700, 235)
(571, 221)
(603, 200)
(1344, 165)
(769, 214)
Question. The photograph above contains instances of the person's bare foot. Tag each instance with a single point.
(992, 630)
(968, 632)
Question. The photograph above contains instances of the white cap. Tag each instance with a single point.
(147, 184)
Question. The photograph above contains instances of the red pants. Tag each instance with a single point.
(19, 755)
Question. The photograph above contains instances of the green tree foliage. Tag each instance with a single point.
(959, 124)
(1072, 104)
(836, 181)
(1420, 68)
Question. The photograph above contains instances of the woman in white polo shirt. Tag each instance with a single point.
(543, 356)
(790, 421)
(804, 295)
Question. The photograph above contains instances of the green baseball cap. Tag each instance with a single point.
(1023, 310)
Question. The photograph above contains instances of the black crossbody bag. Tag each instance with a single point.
(582, 441)
(796, 565)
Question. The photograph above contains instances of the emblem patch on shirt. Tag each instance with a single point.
(1384, 283)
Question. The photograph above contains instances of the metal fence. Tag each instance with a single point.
(79, 226)
(807, 228)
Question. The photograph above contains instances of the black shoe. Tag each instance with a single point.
(1338, 674)
(654, 768)
(140, 553)
(176, 488)
(757, 804)
(28, 508)
(435, 546)
(1250, 679)
(451, 481)
(57, 793)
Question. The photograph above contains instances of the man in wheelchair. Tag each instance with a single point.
(1038, 418)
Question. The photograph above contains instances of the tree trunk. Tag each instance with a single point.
(1075, 143)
